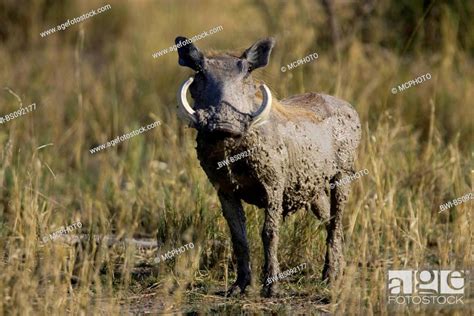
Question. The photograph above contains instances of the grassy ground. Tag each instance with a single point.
(98, 80)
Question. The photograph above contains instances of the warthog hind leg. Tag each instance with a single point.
(334, 261)
(270, 232)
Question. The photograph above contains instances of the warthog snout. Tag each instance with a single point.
(223, 118)
(225, 95)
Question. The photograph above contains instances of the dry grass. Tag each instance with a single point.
(97, 80)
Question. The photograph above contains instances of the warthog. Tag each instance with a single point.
(300, 146)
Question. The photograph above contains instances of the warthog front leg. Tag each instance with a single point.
(334, 262)
(234, 214)
(270, 232)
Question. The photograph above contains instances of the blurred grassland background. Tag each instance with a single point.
(97, 80)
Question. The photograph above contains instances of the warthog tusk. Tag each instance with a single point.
(183, 101)
(262, 113)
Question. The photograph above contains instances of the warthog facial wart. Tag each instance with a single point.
(296, 156)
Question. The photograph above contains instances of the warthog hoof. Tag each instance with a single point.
(235, 290)
(271, 291)
(331, 274)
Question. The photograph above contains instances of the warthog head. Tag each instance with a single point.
(224, 92)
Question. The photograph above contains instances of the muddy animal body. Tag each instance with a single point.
(299, 146)
(301, 155)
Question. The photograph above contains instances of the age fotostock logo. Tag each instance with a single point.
(421, 287)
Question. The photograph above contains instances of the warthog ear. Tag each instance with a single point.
(258, 54)
(189, 55)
